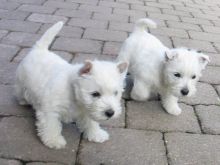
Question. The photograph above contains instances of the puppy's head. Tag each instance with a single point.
(182, 70)
(99, 88)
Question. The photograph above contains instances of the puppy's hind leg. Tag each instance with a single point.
(49, 129)
(19, 93)
(140, 91)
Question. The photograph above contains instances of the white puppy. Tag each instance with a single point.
(61, 92)
(155, 68)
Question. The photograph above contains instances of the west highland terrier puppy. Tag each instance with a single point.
(155, 68)
(61, 92)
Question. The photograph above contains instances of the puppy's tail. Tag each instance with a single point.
(47, 38)
(143, 23)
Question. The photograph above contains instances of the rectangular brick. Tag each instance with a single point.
(129, 12)
(128, 27)
(194, 44)
(131, 1)
(159, 5)
(205, 36)
(74, 13)
(3, 33)
(114, 4)
(174, 12)
(187, 9)
(91, 2)
(98, 9)
(88, 23)
(211, 29)
(145, 8)
(205, 16)
(170, 32)
(106, 35)
(163, 16)
(196, 21)
(9, 5)
(44, 18)
(15, 25)
(66, 31)
(112, 48)
(21, 39)
(77, 45)
(178, 3)
(183, 25)
(16, 15)
(111, 17)
(65, 5)
(38, 2)
(37, 9)
(7, 52)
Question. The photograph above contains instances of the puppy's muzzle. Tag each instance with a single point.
(109, 113)
(185, 91)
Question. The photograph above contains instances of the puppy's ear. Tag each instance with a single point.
(203, 60)
(86, 68)
(122, 67)
(170, 55)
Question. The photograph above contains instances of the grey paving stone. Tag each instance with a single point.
(21, 39)
(205, 95)
(112, 48)
(28, 1)
(165, 40)
(218, 89)
(151, 116)
(205, 36)
(210, 75)
(9, 162)
(15, 109)
(125, 147)
(41, 163)
(163, 16)
(77, 45)
(97, 9)
(15, 15)
(74, 13)
(7, 52)
(183, 25)
(106, 35)
(64, 5)
(128, 27)
(3, 33)
(8, 5)
(6, 97)
(18, 139)
(193, 44)
(44, 18)
(214, 59)
(196, 21)
(87, 23)
(7, 73)
(193, 149)
(37, 9)
(66, 31)
(16, 25)
(170, 32)
(209, 117)
(111, 17)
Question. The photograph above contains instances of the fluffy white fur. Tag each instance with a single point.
(61, 92)
(155, 68)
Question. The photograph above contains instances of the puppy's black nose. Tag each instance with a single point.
(185, 91)
(109, 113)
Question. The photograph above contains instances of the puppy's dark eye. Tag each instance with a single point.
(96, 94)
(177, 74)
(116, 93)
(194, 76)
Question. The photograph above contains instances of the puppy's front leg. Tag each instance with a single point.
(49, 129)
(140, 91)
(91, 130)
(170, 104)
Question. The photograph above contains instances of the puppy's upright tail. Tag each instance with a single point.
(47, 38)
(143, 23)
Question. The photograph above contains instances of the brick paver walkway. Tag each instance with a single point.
(145, 134)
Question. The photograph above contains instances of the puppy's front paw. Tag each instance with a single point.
(98, 135)
(55, 142)
(174, 111)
